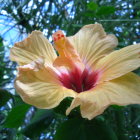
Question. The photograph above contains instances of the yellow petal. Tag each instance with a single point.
(92, 43)
(40, 88)
(121, 91)
(42, 95)
(37, 72)
(119, 62)
(32, 48)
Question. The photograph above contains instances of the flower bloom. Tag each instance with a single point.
(87, 69)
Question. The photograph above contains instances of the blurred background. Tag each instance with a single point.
(18, 18)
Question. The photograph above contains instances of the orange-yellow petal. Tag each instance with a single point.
(119, 62)
(39, 86)
(92, 43)
(121, 91)
(36, 71)
(32, 48)
(41, 94)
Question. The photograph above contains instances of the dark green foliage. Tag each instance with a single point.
(92, 6)
(99, 11)
(81, 129)
(39, 123)
(4, 97)
(61, 109)
(105, 10)
(16, 116)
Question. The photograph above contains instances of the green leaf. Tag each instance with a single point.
(61, 109)
(40, 122)
(105, 10)
(17, 100)
(16, 116)
(1, 45)
(117, 106)
(4, 97)
(77, 25)
(92, 6)
(81, 129)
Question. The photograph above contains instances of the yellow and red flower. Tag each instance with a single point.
(87, 69)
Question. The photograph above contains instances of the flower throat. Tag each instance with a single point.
(78, 81)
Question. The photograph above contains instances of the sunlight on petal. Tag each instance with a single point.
(33, 47)
(92, 43)
(119, 62)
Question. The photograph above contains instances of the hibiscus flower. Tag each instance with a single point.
(87, 69)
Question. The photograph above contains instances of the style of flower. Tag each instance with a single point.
(87, 69)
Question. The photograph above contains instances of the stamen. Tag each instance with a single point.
(67, 53)
(59, 38)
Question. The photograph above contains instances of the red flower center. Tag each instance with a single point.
(79, 81)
